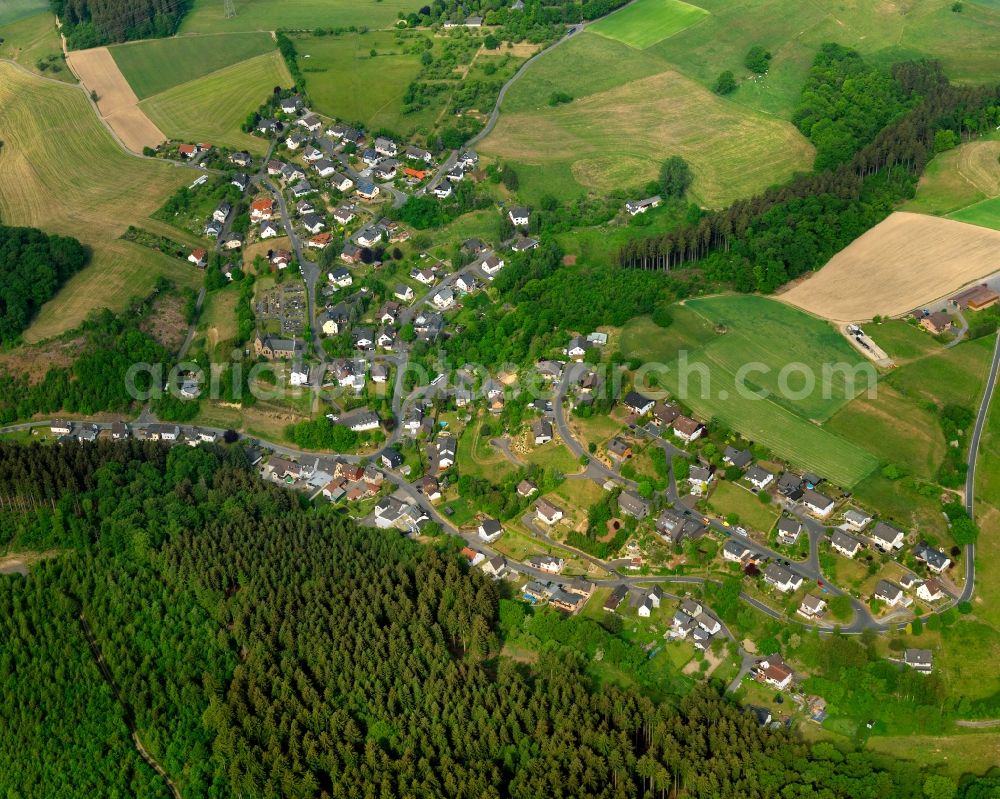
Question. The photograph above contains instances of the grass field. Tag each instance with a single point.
(346, 82)
(62, 172)
(758, 330)
(883, 30)
(634, 97)
(954, 754)
(31, 40)
(254, 15)
(643, 338)
(729, 498)
(212, 108)
(13, 10)
(985, 214)
(156, 65)
(958, 178)
(646, 22)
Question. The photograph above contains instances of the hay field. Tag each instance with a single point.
(13, 10)
(155, 65)
(646, 22)
(34, 39)
(620, 136)
(207, 16)
(958, 178)
(61, 171)
(901, 264)
(116, 101)
(212, 108)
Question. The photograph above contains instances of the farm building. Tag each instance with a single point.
(976, 298)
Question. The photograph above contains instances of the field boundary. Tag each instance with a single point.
(117, 104)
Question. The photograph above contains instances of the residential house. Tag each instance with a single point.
(641, 206)
(687, 429)
(380, 373)
(781, 578)
(385, 169)
(789, 530)
(446, 449)
(363, 422)
(391, 458)
(291, 105)
(773, 671)
(425, 276)
(431, 488)
(120, 431)
(519, 216)
(930, 591)
(735, 551)
(240, 181)
(269, 230)
(343, 214)
(846, 545)
(546, 563)
(664, 414)
(577, 348)
(759, 477)
(526, 488)
(402, 292)
(886, 537)
(340, 276)
(370, 235)
(320, 241)
(363, 338)
(163, 432)
(936, 323)
(341, 182)
(857, 519)
(232, 242)
(386, 147)
(351, 253)
(367, 190)
(386, 338)
(313, 154)
(444, 298)
(617, 596)
(818, 504)
(325, 168)
(547, 512)
(222, 212)
(619, 449)
(290, 172)
(268, 127)
(418, 154)
(541, 429)
(302, 188)
(921, 660)
(442, 190)
(198, 257)
(935, 559)
(890, 593)
(523, 244)
(490, 264)
(812, 607)
(740, 458)
(638, 404)
(490, 530)
(633, 505)
(295, 140)
(699, 477)
(241, 158)
(261, 209)
(790, 485)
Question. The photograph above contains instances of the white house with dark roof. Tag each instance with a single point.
(519, 216)
(818, 504)
(759, 477)
(846, 545)
(886, 537)
(781, 578)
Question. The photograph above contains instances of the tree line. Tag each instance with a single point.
(33, 267)
(761, 242)
(89, 23)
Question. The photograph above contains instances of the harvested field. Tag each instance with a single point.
(61, 171)
(901, 264)
(116, 101)
(733, 152)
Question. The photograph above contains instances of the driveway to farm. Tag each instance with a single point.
(970, 478)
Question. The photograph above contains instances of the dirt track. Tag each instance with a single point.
(116, 101)
(904, 263)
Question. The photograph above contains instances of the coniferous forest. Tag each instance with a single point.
(89, 23)
(260, 648)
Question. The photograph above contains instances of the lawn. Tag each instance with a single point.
(646, 22)
(902, 341)
(13, 10)
(985, 214)
(61, 171)
(730, 498)
(958, 178)
(553, 456)
(954, 376)
(253, 15)
(156, 65)
(214, 107)
(345, 81)
(33, 40)
(622, 95)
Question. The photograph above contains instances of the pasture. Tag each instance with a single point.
(757, 330)
(62, 172)
(985, 214)
(903, 263)
(618, 134)
(646, 22)
(882, 30)
(13, 10)
(207, 16)
(345, 81)
(212, 108)
(156, 65)
(958, 178)
(33, 40)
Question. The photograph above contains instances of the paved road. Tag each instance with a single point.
(970, 478)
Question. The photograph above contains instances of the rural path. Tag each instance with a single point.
(193, 326)
(127, 716)
(978, 723)
(970, 477)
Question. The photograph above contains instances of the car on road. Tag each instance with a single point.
(742, 531)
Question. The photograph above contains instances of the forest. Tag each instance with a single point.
(89, 23)
(33, 267)
(263, 648)
(863, 171)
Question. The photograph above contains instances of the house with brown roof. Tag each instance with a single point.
(773, 671)
(548, 512)
(687, 429)
(936, 323)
